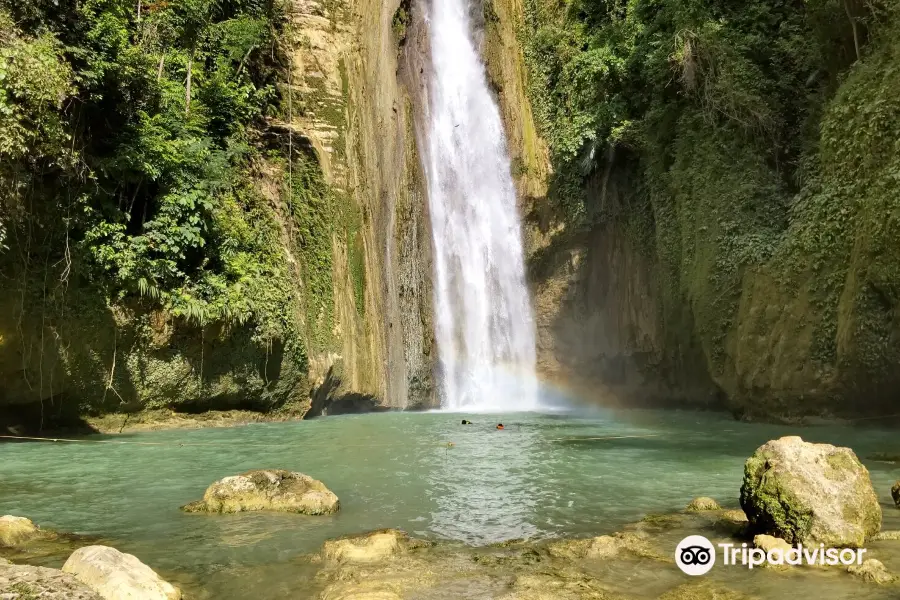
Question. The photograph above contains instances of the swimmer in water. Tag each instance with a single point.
(465, 422)
(500, 426)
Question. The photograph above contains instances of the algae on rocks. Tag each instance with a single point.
(701, 504)
(810, 493)
(267, 489)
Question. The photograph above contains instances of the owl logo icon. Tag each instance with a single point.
(695, 555)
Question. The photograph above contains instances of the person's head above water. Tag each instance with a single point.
(465, 422)
(499, 425)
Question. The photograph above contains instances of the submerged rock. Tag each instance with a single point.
(872, 570)
(702, 504)
(895, 493)
(603, 547)
(17, 530)
(810, 493)
(544, 586)
(267, 489)
(768, 543)
(27, 582)
(702, 590)
(886, 535)
(116, 575)
(372, 547)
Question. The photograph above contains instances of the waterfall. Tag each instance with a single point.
(483, 319)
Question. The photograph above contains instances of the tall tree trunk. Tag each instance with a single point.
(139, 11)
(187, 93)
(159, 71)
(852, 24)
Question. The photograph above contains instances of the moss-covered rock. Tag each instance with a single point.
(809, 493)
(267, 489)
(702, 504)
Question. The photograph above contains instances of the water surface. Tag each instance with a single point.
(545, 475)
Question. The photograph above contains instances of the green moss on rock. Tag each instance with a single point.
(809, 493)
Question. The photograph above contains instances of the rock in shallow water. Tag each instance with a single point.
(25, 581)
(702, 504)
(810, 493)
(115, 575)
(373, 547)
(267, 489)
(872, 570)
(17, 530)
(768, 543)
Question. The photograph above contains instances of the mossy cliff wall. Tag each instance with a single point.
(712, 265)
(600, 331)
(345, 229)
(357, 115)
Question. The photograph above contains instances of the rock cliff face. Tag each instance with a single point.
(600, 326)
(350, 55)
(362, 291)
(634, 309)
(662, 301)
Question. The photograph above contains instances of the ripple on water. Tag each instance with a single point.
(544, 476)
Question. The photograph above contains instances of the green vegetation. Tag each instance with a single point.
(137, 139)
(750, 150)
(400, 22)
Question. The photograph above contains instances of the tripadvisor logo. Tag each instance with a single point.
(696, 555)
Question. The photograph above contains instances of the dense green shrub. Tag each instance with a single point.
(131, 142)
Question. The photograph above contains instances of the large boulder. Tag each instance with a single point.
(25, 581)
(809, 493)
(115, 575)
(17, 530)
(268, 489)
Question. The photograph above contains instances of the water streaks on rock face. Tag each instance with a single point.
(267, 489)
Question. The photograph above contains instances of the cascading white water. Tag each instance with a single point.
(484, 323)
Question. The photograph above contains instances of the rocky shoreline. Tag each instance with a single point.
(794, 493)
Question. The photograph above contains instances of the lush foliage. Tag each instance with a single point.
(752, 149)
(131, 133)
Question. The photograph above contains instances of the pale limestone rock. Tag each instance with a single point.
(25, 581)
(115, 575)
(872, 571)
(267, 489)
(374, 547)
(16, 530)
(810, 493)
(768, 542)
